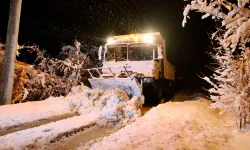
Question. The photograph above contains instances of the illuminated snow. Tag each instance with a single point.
(93, 107)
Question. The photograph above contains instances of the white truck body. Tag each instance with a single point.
(132, 59)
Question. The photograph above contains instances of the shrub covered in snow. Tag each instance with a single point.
(70, 63)
(51, 76)
(230, 81)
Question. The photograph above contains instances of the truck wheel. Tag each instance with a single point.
(159, 95)
(153, 95)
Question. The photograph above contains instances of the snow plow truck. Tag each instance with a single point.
(137, 64)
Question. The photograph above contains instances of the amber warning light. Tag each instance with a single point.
(132, 38)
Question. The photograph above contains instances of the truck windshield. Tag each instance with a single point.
(140, 53)
(116, 53)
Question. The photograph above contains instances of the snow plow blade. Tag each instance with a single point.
(131, 86)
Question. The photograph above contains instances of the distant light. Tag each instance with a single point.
(148, 38)
(110, 41)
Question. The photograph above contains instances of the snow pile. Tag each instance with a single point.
(18, 114)
(179, 125)
(37, 138)
(111, 105)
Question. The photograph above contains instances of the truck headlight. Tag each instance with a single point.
(110, 41)
(148, 80)
(148, 38)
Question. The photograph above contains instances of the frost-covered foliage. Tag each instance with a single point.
(56, 76)
(230, 85)
(70, 63)
(65, 71)
(1, 57)
(51, 76)
(40, 85)
(19, 76)
(230, 82)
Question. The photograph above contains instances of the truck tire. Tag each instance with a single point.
(159, 95)
(153, 95)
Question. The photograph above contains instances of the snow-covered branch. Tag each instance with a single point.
(52, 76)
(230, 82)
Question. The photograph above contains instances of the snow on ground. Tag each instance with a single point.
(113, 105)
(174, 125)
(93, 107)
(38, 137)
(241, 139)
(17, 114)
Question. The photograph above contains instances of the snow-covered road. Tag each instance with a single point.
(173, 125)
(90, 107)
(24, 113)
(39, 137)
(177, 125)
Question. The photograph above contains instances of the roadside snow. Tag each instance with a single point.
(111, 105)
(17, 114)
(178, 125)
(94, 107)
(37, 138)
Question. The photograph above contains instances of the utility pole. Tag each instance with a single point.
(10, 52)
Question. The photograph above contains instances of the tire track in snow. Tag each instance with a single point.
(92, 134)
(35, 123)
(39, 137)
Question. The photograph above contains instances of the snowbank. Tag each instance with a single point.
(18, 114)
(179, 125)
(37, 138)
(111, 105)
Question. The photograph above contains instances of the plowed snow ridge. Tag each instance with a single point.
(40, 136)
(17, 114)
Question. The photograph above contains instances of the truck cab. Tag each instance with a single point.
(143, 57)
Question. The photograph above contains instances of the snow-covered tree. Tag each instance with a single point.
(230, 81)
(62, 73)
(52, 76)
(1, 56)
(70, 63)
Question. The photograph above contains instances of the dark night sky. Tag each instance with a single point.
(49, 23)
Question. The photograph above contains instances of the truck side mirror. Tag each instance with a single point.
(100, 53)
(159, 51)
(155, 54)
